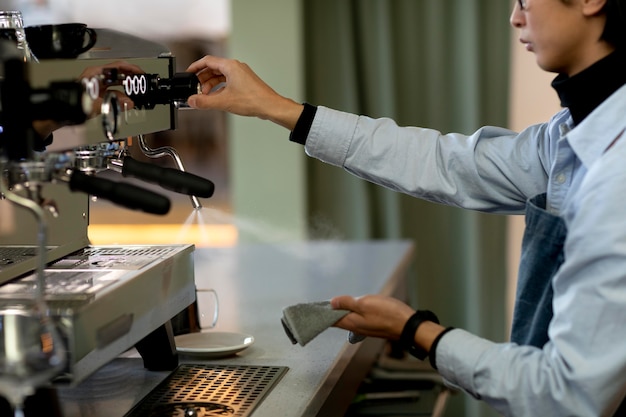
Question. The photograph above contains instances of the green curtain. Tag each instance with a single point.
(437, 63)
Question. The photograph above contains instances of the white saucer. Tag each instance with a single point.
(212, 344)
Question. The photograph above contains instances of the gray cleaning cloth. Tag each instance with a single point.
(303, 322)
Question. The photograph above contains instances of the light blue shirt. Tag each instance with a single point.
(581, 371)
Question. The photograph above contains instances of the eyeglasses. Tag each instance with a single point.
(522, 4)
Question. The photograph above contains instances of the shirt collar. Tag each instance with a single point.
(593, 136)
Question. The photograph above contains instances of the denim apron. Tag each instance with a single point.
(542, 255)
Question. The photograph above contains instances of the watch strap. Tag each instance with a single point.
(407, 337)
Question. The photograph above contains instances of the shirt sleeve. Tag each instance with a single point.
(491, 170)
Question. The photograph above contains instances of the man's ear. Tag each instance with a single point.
(593, 7)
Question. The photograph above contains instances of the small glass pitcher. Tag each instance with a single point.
(12, 19)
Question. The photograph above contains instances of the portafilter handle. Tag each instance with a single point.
(123, 194)
(172, 153)
(169, 178)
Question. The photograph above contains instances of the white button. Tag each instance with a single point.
(560, 178)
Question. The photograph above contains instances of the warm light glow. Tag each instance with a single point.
(47, 343)
(163, 234)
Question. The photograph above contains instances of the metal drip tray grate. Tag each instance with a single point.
(13, 255)
(115, 257)
(152, 251)
(194, 390)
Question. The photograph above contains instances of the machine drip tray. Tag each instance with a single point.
(195, 390)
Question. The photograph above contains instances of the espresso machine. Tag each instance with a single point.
(104, 300)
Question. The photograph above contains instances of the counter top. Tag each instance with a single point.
(254, 283)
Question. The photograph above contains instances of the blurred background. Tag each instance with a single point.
(454, 65)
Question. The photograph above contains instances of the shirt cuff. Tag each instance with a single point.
(457, 356)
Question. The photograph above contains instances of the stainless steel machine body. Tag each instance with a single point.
(68, 231)
(105, 300)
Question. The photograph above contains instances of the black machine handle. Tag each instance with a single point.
(168, 178)
(123, 194)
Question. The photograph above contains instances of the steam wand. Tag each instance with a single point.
(33, 352)
(171, 152)
(42, 236)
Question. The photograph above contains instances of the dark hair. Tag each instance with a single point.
(615, 28)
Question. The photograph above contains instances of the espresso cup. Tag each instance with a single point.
(208, 308)
(200, 316)
(60, 41)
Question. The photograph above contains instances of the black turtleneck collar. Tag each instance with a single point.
(585, 91)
